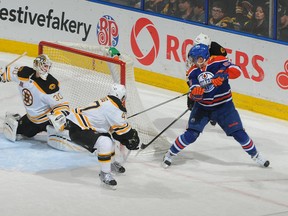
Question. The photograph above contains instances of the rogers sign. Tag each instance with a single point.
(176, 50)
(144, 24)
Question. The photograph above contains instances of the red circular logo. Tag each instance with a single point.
(145, 24)
(282, 77)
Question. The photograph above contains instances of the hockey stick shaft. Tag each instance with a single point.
(143, 146)
(158, 105)
(16, 59)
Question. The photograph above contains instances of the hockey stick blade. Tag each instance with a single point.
(144, 146)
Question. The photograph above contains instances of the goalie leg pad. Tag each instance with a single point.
(10, 126)
(62, 142)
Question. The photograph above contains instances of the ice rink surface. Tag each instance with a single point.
(212, 177)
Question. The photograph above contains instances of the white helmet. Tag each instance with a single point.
(42, 65)
(203, 39)
(118, 91)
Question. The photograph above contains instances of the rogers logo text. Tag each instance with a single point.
(107, 31)
(145, 24)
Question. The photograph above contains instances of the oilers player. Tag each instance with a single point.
(209, 87)
(214, 49)
(41, 96)
(91, 128)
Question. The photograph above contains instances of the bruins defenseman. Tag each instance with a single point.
(41, 97)
(94, 127)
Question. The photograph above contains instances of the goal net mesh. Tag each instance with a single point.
(86, 73)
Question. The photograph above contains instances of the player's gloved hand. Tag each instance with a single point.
(132, 143)
(219, 78)
(190, 103)
(218, 81)
(113, 52)
(196, 93)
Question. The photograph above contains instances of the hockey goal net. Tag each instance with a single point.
(86, 73)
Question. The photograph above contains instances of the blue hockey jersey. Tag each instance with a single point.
(213, 96)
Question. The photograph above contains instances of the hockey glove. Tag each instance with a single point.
(113, 52)
(132, 143)
(219, 78)
(190, 103)
(197, 93)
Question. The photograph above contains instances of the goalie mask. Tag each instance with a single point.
(118, 91)
(42, 65)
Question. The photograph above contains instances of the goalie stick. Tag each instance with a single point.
(16, 59)
(2, 73)
(143, 145)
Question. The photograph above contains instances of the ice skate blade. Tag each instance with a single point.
(109, 187)
(115, 173)
(165, 165)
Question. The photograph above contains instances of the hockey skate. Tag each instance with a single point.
(117, 167)
(259, 159)
(167, 160)
(108, 180)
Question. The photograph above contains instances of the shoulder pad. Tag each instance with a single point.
(217, 49)
(49, 86)
(25, 72)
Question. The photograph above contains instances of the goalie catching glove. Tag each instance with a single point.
(130, 140)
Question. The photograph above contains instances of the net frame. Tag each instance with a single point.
(85, 53)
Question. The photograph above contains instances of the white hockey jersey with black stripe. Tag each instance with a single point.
(106, 115)
(40, 97)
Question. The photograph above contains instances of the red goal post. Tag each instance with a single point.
(93, 56)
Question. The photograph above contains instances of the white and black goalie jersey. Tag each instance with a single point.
(40, 97)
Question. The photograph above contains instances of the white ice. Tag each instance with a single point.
(213, 176)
